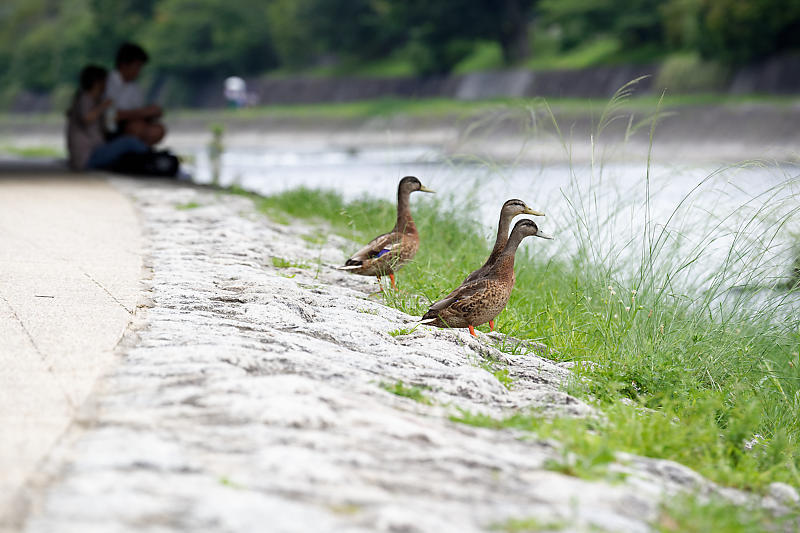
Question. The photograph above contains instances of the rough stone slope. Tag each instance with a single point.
(248, 398)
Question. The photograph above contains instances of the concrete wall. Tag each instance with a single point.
(593, 82)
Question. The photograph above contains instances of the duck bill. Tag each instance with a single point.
(544, 236)
(425, 189)
(529, 211)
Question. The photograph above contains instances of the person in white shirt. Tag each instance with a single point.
(130, 113)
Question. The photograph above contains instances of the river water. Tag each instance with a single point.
(738, 220)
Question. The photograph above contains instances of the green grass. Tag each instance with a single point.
(402, 331)
(487, 55)
(280, 262)
(592, 53)
(444, 108)
(694, 514)
(314, 238)
(187, 206)
(586, 451)
(499, 371)
(406, 391)
(32, 152)
(523, 525)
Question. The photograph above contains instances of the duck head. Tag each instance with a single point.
(410, 184)
(528, 228)
(515, 207)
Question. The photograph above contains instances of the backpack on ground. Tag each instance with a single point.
(162, 163)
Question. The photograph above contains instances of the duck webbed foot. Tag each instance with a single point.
(472, 331)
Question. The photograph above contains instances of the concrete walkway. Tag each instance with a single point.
(70, 267)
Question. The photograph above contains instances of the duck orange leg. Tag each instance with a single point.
(391, 277)
(491, 325)
(472, 330)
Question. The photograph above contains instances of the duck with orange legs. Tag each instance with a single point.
(479, 301)
(387, 253)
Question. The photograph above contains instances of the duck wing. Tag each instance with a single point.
(477, 274)
(461, 300)
(377, 247)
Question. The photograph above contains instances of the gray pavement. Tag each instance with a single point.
(70, 267)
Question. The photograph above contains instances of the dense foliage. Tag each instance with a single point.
(43, 43)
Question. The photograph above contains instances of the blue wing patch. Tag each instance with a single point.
(382, 252)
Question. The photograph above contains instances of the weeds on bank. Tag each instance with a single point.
(681, 514)
(709, 365)
(280, 262)
(586, 451)
(523, 525)
(187, 206)
(692, 514)
(402, 331)
(407, 391)
(499, 371)
(314, 238)
(33, 152)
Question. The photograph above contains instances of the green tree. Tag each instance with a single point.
(442, 33)
(199, 39)
(44, 42)
(118, 21)
(290, 23)
(634, 23)
(740, 31)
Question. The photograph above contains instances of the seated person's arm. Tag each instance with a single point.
(141, 113)
(95, 112)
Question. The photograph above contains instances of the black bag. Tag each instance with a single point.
(152, 163)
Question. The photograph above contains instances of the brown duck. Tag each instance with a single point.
(481, 300)
(510, 209)
(387, 253)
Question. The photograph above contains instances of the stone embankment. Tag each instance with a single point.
(249, 397)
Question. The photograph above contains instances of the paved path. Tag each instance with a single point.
(70, 268)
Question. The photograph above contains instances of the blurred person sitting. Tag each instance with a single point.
(131, 115)
(86, 134)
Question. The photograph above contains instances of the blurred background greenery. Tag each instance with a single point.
(44, 43)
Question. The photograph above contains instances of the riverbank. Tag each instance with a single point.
(262, 388)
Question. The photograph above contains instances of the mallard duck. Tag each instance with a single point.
(480, 300)
(387, 253)
(510, 209)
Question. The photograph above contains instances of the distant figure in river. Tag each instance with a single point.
(130, 114)
(86, 133)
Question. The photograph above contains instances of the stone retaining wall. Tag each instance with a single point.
(774, 76)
